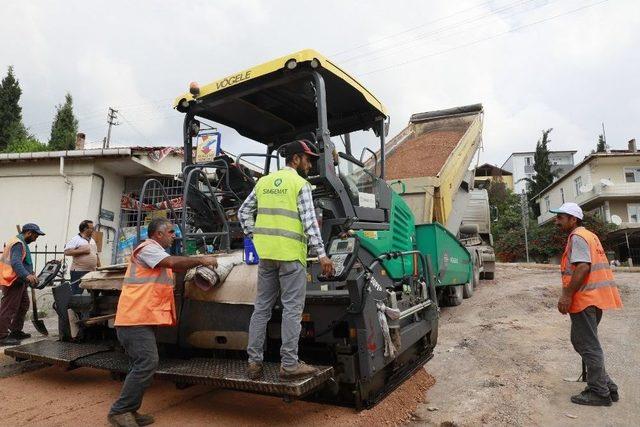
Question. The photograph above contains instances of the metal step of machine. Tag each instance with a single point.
(224, 373)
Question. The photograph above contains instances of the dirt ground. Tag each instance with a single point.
(502, 359)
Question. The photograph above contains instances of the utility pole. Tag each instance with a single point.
(111, 120)
(604, 137)
(524, 207)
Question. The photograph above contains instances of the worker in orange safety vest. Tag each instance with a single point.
(16, 275)
(146, 302)
(588, 287)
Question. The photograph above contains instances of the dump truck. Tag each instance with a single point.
(430, 163)
(384, 261)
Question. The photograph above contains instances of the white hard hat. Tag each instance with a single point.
(569, 208)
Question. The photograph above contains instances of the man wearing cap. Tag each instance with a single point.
(285, 220)
(588, 287)
(16, 273)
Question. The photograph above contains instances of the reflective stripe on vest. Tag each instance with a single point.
(147, 294)
(594, 267)
(7, 274)
(599, 288)
(279, 233)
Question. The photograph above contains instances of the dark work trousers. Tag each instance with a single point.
(140, 344)
(13, 307)
(75, 281)
(584, 337)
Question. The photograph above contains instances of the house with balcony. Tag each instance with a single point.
(607, 186)
(521, 164)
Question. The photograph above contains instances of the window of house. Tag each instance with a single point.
(633, 210)
(632, 174)
(547, 203)
(562, 194)
(578, 184)
(528, 161)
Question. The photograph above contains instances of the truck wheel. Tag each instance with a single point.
(468, 288)
(453, 295)
(489, 269)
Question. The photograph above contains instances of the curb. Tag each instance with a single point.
(556, 267)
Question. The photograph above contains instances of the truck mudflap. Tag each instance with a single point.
(224, 373)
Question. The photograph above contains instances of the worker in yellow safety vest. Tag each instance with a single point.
(285, 220)
(146, 302)
(588, 287)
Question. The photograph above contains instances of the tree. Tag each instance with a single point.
(64, 127)
(10, 110)
(602, 145)
(26, 144)
(507, 230)
(542, 167)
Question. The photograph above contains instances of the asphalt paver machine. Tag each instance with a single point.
(383, 262)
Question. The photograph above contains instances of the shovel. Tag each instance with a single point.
(37, 323)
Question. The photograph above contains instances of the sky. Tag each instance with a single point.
(570, 65)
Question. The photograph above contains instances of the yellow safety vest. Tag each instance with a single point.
(279, 234)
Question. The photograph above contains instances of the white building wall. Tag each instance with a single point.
(519, 183)
(591, 176)
(516, 164)
(41, 195)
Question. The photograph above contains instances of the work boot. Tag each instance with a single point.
(613, 393)
(615, 396)
(588, 397)
(254, 371)
(19, 335)
(302, 371)
(143, 420)
(123, 420)
(8, 340)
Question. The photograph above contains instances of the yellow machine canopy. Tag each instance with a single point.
(276, 101)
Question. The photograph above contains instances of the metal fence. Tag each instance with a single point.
(41, 254)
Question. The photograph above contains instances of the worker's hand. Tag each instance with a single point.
(564, 303)
(209, 261)
(327, 266)
(32, 279)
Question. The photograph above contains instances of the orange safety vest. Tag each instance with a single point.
(599, 287)
(147, 294)
(7, 274)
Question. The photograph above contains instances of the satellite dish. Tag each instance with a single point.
(586, 188)
(616, 219)
(606, 182)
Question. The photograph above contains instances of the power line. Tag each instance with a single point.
(443, 38)
(428, 35)
(135, 129)
(389, 36)
(485, 38)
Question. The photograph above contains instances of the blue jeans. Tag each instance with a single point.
(75, 281)
(140, 344)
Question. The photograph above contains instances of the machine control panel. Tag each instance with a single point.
(343, 253)
(48, 274)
